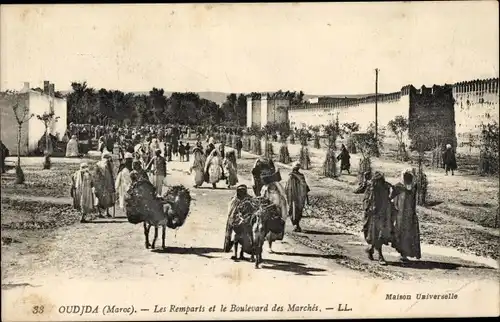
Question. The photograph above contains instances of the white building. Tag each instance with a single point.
(37, 103)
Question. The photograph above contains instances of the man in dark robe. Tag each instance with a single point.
(345, 160)
(241, 195)
(296, 191)
(377, 228)
(239, 146)
(449, 160)
(406, 231)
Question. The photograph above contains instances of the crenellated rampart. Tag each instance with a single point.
(470, 103)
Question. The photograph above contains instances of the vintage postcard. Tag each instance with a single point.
(249, 161)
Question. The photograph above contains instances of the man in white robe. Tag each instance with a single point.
(123, 179)
(72, 147)
(81, 192)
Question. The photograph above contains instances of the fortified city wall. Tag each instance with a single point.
(454, 111)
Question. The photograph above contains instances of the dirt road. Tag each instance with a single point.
(106, 262)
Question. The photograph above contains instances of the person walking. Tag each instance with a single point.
(449, 160)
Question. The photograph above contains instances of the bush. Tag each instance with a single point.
(330, 165)
(19, 174)
(305, 161)
(489, 157)
(268, 153)
(316, 142)
(284, 156)
(365, 165)
(422, 186)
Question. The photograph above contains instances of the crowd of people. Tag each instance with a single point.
(144, 153)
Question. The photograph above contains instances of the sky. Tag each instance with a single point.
(319, 48)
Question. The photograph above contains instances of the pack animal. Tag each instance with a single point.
(171, 210)
(254, 221)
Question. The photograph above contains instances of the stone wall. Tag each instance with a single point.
(455, 112)
(476, 102)
(432, 116)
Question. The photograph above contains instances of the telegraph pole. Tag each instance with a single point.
(376, 101)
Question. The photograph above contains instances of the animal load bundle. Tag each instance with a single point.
(141, 202)
(252, 220)
(270, 177)
(170, 210)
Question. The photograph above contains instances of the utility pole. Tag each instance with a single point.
(376, 103)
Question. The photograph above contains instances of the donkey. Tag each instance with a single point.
(266, 220)
(171, 210)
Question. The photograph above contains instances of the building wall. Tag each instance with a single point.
(249, 111)
(361, 111)
(9, 126)
(277, 110)
(256, 112)
(475, 102)
(432, 115)
(472, 103)
(40, 104)
(61, 110)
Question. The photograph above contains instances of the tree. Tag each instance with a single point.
(399, 126)
(332, 131)
(489, 155)
(376, 143)
(22, 115)
(47, 119)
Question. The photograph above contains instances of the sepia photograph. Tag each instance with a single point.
(218, 161)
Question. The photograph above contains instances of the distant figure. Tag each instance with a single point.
(104, 183)
(239, 146)
(168, 152)
(345, 160)
(182, 151)
(187, 148)
(72, 147)
(210, 147)
(123, 180)
(84, 141)
(102, 144)
(140, 173)
(4, 153)
(449, 160)
(230, 169)
(198, 166)
(159, 171)
(297, 195)
(81, 192)
(213, 168)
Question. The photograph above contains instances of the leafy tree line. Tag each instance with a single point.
(86, 105)
(109, 107)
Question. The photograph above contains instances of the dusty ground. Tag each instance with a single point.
(42, 240)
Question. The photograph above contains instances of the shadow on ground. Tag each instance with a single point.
(325, 233)
(199, 251)
(293, 267)
(434, 265)
(326, 256)
(107, 222)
